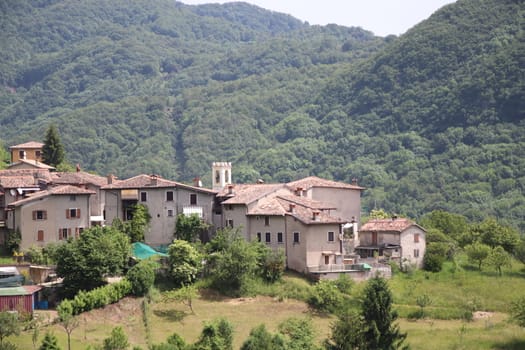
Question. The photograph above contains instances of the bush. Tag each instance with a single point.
(99, 297)
(325, 297)
(141, 277)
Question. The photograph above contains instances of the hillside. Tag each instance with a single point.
(430, 120)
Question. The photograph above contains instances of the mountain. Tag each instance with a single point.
(429, 120)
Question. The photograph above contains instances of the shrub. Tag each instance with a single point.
(141, 277)
(325, 296)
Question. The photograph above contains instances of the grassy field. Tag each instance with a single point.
(451, 291)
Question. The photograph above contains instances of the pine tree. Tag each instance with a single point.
(50, 342)
(381, 331)
(53, 150)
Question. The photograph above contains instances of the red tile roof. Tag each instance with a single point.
(248, 193)
(58, 190)
(151, 181)
(314, 181)
(30, 144)
(387, 225)
(78, 178)
(17, 181)
(31, 162)
(309, 215)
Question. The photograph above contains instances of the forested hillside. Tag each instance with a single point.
(430, 120)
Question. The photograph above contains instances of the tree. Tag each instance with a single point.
(325, 296)
(118, 340)
(234, 261)
(84, 262)
(434, 257)
(50, 342)
(67, 320)
(142, 277)
(53, 150)
(347, 333)
(423, 301)
(216, 335)
(13, 240)
(499, 258)
(137, 226)
(272, 263)
(477, 252)
(381, 332)
(298, 334)
(5, 157)
(519, 251)
(185, 262)
(452, 225)
(189, 227)
(184, 295)
(9, 325)
(261, 339)
(174, 342)
(517, 311)
(493, 234)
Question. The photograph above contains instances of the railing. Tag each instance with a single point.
(336, 268)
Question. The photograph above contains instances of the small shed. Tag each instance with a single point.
(21, 299)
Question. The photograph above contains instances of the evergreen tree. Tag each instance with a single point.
(117, 341)
(50, 342)
(53, 150)
(378, 316)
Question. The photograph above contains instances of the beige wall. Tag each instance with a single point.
(347, 201)
(365, 238)
(276, 224)
(55, 206)
(162, 225)
(409, 245)
(30, 154)
(237, 213)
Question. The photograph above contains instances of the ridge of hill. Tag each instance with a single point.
(430, 120)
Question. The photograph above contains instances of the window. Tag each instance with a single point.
(170, 212)
(266, 221)
(72, 198)
(64, 233)
(38, 154)
(40, 236)
(73, 213)
(268, 237)
(279, 237)
(169, 196)
(326, 260)
(22, 154)
(330, 236)
(229, 223)
(259, 237)
(416, 253)
(143, 196)
(217, 176)
(39, 215)
(193, 199)
(296, 237)
(416, 238)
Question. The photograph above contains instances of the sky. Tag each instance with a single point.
(382, 17)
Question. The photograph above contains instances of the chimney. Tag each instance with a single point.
(154, 180)
(197, 182)
(299, 191)
(78, 168)
(111, 179)
(315, 215)
(292, 208)
(230, 189)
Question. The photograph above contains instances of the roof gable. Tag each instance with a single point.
(30, 144)
(388, 225)
(314, 181)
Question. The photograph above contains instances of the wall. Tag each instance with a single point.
(408, 245)
(347, 201)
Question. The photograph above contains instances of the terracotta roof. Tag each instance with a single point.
(32, 162)
(307, 202)
(58, 190)
(248, 193)
(387, 225)
(314, 181)
(41, 174)
(152, 181)
(78, 178)
(30, 144)
(17, 181)
(267, 206)
(306, 214)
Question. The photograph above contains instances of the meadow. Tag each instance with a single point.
(454, 291)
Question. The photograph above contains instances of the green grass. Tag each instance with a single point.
(451, 291)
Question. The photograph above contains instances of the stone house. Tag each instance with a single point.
(398, 239)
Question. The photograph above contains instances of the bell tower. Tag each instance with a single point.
(221, 175)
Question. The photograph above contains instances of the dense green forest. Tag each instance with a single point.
(432, 119)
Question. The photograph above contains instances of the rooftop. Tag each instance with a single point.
(30, 144)
(387, 225)
(314, 181)
(58, 190)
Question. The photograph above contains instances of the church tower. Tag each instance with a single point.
(221, 175)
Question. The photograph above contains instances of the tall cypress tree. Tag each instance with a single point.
(381, 331)
(53, 151)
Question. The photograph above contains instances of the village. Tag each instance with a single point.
(314, 221)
